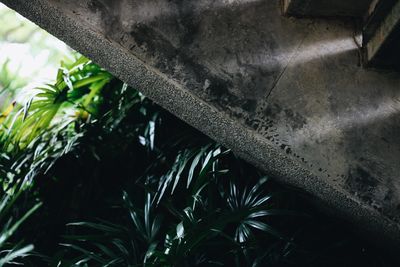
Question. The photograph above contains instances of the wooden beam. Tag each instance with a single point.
(325, 8)
(381, 35)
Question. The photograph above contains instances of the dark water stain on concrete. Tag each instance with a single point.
(363, 184)
(109, 12)
(187, 20)
(167, 58)
(172, 44)
(293, 119)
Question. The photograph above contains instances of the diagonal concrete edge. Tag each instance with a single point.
(203, 116)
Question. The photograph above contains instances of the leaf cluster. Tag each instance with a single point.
(202, 210)
(35, 135)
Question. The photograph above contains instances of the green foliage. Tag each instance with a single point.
(28, 54)
(182, 197)
(36, 134)
(10, 82)
(9, 252)
(194, 207)
(33, 136)
(19, 161)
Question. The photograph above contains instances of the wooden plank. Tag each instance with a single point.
(381, 36)
(325, 8)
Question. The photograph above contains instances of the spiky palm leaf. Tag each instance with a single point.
(10, 252)
(202, 207)
(34, 135)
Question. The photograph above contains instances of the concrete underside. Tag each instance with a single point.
(287, 95)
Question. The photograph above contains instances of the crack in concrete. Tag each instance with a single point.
(293, 56)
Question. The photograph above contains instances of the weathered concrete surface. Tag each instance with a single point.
(330, 8)
(288, 95)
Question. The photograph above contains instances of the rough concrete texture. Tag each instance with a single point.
(288, 95)
(323, 8)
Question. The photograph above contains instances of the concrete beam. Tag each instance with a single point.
(325, 8)
(382, 35)
(287, 95)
